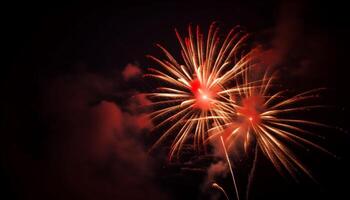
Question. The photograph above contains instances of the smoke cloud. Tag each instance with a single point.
(92, 148)
(131, 71)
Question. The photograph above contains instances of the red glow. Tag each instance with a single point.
(203, 95)
(195, 85)
(251, 109)
(131, 71)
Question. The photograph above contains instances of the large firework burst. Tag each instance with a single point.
(194, 90)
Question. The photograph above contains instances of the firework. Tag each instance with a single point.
(193, 95)
(211, 93)
(258, 113)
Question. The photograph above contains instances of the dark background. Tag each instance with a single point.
(45, 41)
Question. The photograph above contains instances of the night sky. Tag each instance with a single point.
(71, 79)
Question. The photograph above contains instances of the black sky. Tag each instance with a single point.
(45, 42)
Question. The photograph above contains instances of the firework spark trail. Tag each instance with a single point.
(230, 167)
(215, 185)
(252, 171)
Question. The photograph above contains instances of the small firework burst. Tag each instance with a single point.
(257, 112)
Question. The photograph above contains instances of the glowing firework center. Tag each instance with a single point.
(250, 110)
(204, 97)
